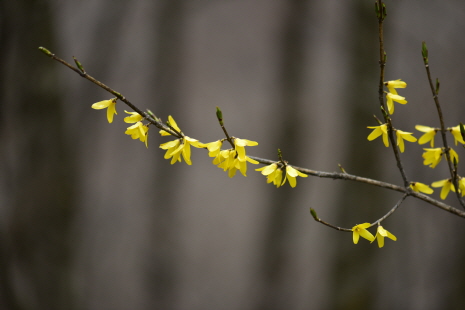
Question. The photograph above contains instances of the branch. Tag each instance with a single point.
(316, 218)
(321, 174)
(435, 92)
(381, 14)
(82, 73)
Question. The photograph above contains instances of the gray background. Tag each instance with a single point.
(90, 219)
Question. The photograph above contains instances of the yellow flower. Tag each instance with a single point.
(381, 233)
(134, 118)
(457, 134)
(401, 136)
(379, 130)
(421, 188)
(291, 175)
(432, 157)
(274, 174)
(214, 148)
(360, 230)
(173, 124)
(182, 146)
(392, 85)
(176, 148)
(428, 136)
(139, 131)
(446, 187)
(229, 160)
(110, 104)
(453, 155)
(240, 147)
(390, 101)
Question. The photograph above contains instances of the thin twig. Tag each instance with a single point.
(146, 115)
(316, 218)
(452, 171)
(387, 119)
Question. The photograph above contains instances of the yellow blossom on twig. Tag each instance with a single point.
(446, 187)
(457, 134)
(138, 131)
(110, 105)
(401, 136)
(133, 118)
(390, 98)
(381, 233)
(378, 131)
(182, 146)
(392, 85)
(240, 147)
(360, 231)
(428, 136)
(421, 188)
(274, 174)
(432, 157)
(291, 175)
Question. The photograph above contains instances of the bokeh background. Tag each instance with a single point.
(91, 219)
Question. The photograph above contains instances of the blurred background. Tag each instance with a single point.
(91, 219)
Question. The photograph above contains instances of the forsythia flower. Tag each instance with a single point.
(390, 97)
(275, 174)
(240, 147)
(421, 188)
(446, 187)
(428, 136)
(182, 146)
(392, 85)
(457, 134)
(379, 130)
(134, 118)
(139, 131)
(401, 136)
(173, 124)
(432, 157)
(360, 230)
(214, 148)
(381, 233)
(175, 148)
(291, 175)
(110, 104)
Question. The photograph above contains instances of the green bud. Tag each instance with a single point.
(219, 115)
(437, 86)
(424, 52)
(78, 64)
(313, 213)
(377, 9)
(45, 51)
(384, 11)
(342, 168)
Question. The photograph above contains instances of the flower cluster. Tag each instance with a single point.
(383, 129)
(360, 230)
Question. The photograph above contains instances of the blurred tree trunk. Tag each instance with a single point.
(37, 168)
